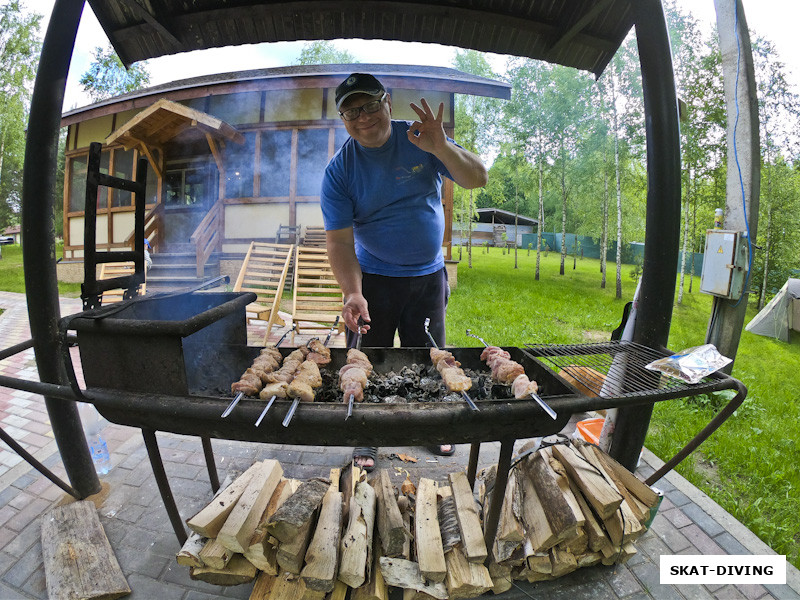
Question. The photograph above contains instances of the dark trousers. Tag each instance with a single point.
(401, 304)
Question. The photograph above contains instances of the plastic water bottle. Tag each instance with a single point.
(100, 456)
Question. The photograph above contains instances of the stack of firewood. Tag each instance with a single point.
(565, 507)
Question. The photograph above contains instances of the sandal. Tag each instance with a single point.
(439, 452)
(366, 452)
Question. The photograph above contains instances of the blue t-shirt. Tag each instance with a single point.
(391, 196)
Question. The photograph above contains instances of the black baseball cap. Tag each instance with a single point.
(358, 83)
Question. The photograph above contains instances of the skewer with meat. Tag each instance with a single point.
(450, 370)
(277, 383)
(353, 376)
(318, 352)
(252, 380)
(290, 364)
(302, 386)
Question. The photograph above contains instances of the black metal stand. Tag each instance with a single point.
(211, 465)
(160, 474)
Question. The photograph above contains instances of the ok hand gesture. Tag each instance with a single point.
(427, 133)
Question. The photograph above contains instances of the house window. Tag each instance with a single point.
(312, 158)
(77, 182)
(239, 160)
(276, 157)
(188, 183)
(123, 168)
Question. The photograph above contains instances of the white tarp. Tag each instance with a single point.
(775, 319)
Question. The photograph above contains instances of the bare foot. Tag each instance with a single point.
(364, 462)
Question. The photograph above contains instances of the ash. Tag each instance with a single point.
(413, 383)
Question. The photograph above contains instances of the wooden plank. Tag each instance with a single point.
(288, 587)
(604, 499)
(469, 522)
(389, 519)
(340, 591)
(510, 529)
(295, 514)
(595, 533)
(78, 559)
(633, 484)
(212, 517)
(465, 579)
(556, 508)
(357, 540)
(428, 538)
(262, 589)
(240, 525)
(215, 555)
(375, 587)
(562, 562)
(237, 571)
(322, 556)
(259, 551)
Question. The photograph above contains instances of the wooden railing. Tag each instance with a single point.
(208, 236)
(152, 220)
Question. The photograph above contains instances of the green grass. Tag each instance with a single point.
(748, 466)
(12, 278)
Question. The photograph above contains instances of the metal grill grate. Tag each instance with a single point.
(610, 369)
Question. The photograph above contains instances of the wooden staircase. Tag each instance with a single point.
(176, 268)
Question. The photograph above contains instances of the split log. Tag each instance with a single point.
(402, 573)
(428, 538)
(389, 519)
(469, 522)
(262, 589)
(406, 513)
(238, 571)
(260, 551)
(604, 499)
(357, 539)
(635, 486)
(448, 519)
(322, 556)
(510, 529)
(78, 559)
(588, 559)
(538, 562)
(562, 562)
(562, 479)
(538, 528)
(340, 591)
(215, 555)
(556, 508)
(501, 577)
(596, 535)
(626, 552)
(243, 519)
(290, 555)
(189, 554)
(210, 519)
(295, 514)
(465, 579)
(375, 587)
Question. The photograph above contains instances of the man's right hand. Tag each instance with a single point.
(355, 306)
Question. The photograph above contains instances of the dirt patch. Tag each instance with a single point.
(592, 335)
(707, 470)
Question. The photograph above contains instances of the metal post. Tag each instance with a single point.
(472, 466)
(744, 171)
(38, 234)
(208, 452)
(498, 493)
(151, 443)
(663, 212)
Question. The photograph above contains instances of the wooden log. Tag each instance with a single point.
(510, 528)
(290, 555)
(577, 544)
(562, 479)
(402, 573)
(290, 587)
(556, 508)
(537, 526)
(588, 559)
(262, 589)
(78, 559)
(427, 537)
(375, 587)
(639, 509)
(389, 519)
(538, 562)
(448, 519)
(501, 577)
(238, 571)
(356, 543)
(626, 552)
(212, 517)
(297, 511)
(340, 591)
(596, 535)
(243, 519)
(351, 475)
(469, 522)
(562, 562)
(189, 554)
(260, 551)
(215, 555)
(322, 556)
(406, 553)
(633, 484)
(465, 579)
(604, 499)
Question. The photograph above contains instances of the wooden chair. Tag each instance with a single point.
(117, 269)
(264, 273)
(315, 237)
(317, 295)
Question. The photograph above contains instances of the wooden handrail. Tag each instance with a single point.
(207, 236)
(152, 219)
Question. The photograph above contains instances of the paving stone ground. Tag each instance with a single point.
(136, 523)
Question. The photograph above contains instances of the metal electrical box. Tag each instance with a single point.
(724, 263)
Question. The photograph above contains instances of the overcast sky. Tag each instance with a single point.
(776, 20)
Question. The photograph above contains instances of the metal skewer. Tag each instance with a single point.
(240, 395)
(550, 412)
(358, 347)
(464, 394)
(265, 411)
(296, 401)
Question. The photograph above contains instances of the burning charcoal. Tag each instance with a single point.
(430, 385)
(453, 397)
(395, 400)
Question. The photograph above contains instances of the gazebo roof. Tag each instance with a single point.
(498, 215)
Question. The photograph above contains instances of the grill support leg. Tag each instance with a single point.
(472, 467)
(499, 492)
(211, 465)
(160, 474)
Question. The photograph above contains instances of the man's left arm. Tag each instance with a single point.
(427, 134)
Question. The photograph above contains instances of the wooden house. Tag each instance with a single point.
(233, 158)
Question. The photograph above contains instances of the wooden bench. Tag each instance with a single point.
(317, 298)
(264, 273)
(117, 269)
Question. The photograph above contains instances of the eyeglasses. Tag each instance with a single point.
(351, 114)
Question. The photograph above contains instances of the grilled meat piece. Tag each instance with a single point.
(524, 387)
(450, 370)
(274, 389)
(318, 352)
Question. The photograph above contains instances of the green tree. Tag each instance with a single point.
(107, 76)
(324, 52)
(19, 55)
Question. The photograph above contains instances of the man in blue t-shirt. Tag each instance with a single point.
(382, 207)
